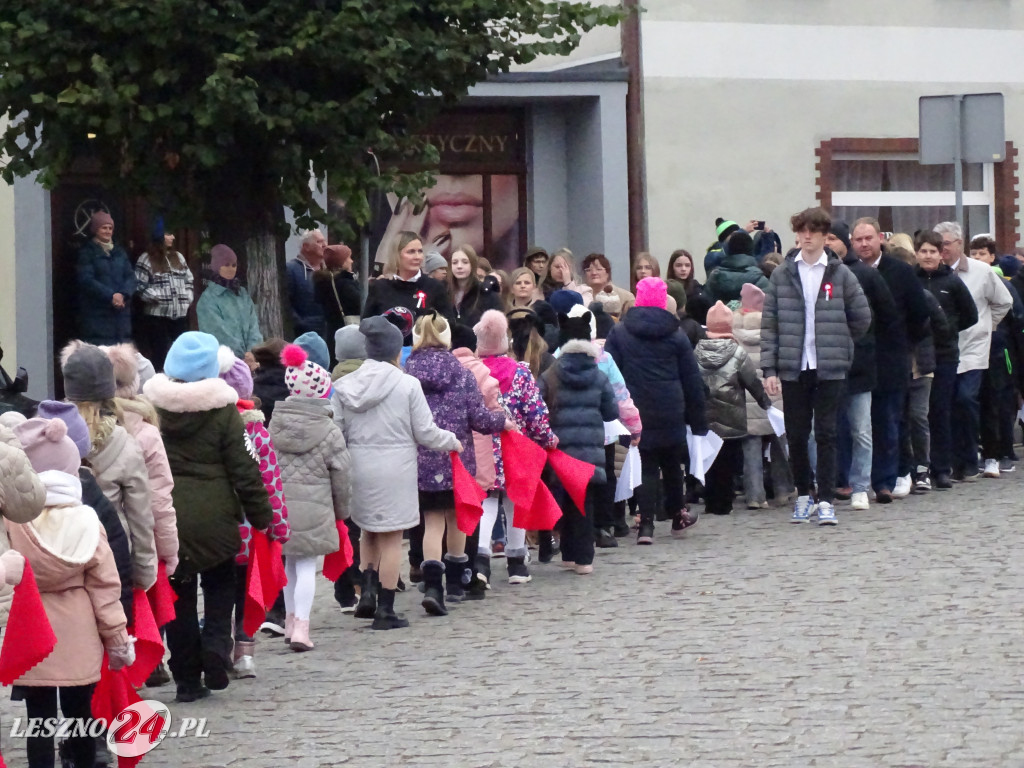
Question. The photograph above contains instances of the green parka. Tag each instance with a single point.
(217, 481)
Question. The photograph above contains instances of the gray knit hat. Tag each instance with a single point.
(383, 340)
(434, 260)
(349, 343)
(88, 375)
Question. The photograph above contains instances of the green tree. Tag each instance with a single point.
(219, 111)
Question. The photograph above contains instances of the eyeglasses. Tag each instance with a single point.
(950, 243)
(594, 268)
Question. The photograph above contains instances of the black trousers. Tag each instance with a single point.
(75, 701)
(344, 587)
(184, 639)
(808, 400)
(155, 335)
(662, 480)
(718, 482)
(576, 526)
(604, 494)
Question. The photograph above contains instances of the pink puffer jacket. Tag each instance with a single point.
(161, 483)
(483, 445)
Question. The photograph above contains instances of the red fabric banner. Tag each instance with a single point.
(149, 646)
(29, 637)
(574, 475)
(113, 693)
(338, 562)
(161, 597)
(266, 579)
(469, 497)
(535, 507)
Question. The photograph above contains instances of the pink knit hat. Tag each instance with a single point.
(491, 334)
(751, 298)
(719, 322)
(222, 256)
(47, 445)
(304, 377)
(651, 292)
(126, 369)
(98, 219)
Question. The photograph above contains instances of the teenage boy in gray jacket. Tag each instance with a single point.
(814, 310)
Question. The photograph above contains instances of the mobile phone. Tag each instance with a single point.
(759, 225)
(377, 269)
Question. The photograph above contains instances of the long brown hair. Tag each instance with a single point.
(471, 294)
(528, 346)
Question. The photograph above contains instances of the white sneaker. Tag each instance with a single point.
(902, 489)
(991, 468)
(859, 501)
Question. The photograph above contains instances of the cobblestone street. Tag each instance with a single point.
(895, 639)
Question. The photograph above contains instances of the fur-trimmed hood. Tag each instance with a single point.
(189, 397)
(580, 346)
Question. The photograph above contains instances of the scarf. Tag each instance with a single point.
(234, 284)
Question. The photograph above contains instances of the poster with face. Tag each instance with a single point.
(478, 197)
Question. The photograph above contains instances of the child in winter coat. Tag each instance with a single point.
(458, 406)
(728, 373)
(78, 583)
(385, 417)
(22, 497)
(116, 459)
(217, 485)
(141, 421)
(92, 496)
(521, 398)
(268, 377)
(604, 500)
(580, 400)
(316, 470)
(237, 374)
(746, 328)
(350, 352)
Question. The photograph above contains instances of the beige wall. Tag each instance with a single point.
(732, 126)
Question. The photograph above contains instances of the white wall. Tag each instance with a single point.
(8, 308)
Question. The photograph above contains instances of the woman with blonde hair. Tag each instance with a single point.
(403, 283)
(561, 275)
(457, 405)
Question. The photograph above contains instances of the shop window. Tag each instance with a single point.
(883, 179)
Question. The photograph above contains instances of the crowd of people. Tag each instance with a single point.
(891, 358)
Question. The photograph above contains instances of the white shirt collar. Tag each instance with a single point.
(822, 260)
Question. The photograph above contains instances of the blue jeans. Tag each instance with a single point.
(854, 450)
(886, 415)
(966, 420)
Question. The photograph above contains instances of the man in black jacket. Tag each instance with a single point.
(854, 449)
(892, 357)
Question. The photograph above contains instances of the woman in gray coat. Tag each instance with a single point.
(385, 417)
(315, 469)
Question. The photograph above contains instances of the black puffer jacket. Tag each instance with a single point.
(268, 385)
(580, 400)
(957, 304)
(896, 342)
(863, 374)
(92, 496)
(841, 316)
(938, 327)
(661, 373)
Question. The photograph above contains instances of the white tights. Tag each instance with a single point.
(301, 586)
(516, 546)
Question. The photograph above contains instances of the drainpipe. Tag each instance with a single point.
(636, 172)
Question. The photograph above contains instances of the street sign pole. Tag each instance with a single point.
(958, 164)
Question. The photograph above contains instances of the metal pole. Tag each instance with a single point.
(364, 264)
(958, 166)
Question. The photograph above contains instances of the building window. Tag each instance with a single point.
(882, 178)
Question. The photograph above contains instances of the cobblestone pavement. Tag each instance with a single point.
(895, 639)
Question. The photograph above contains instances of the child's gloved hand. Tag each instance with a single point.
(12, 567)
(122, 656)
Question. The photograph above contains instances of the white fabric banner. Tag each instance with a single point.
(629, 478)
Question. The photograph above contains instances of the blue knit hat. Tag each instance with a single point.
(192, 357)
(562, 301)
(316, 348)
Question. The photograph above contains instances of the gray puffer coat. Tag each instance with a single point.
(841, 316)
(729, 374)
(317, 474)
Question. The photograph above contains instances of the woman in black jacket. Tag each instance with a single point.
(961, 313)
(468, 296)
(403, 284)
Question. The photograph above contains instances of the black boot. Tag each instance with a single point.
(433, 593)
(457, 575)
(367, 606)
(385, 617)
